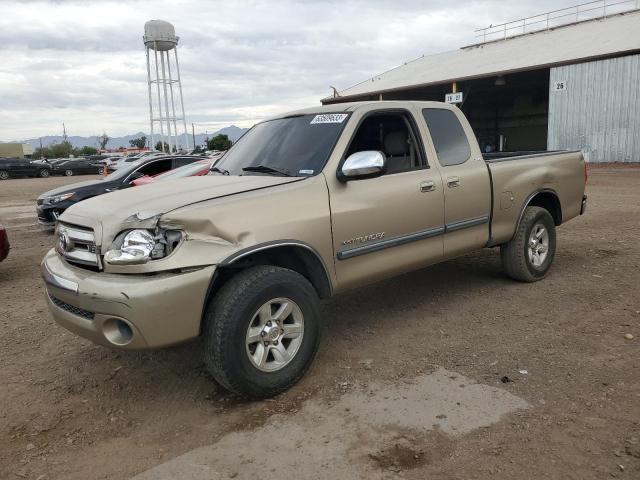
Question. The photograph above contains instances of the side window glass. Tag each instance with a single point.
(181, 162)
(393, 135)
(154, 168)
(449, 139)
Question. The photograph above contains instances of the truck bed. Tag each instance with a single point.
(515, 179)
(504, 156)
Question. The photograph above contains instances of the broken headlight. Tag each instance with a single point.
(137, 246)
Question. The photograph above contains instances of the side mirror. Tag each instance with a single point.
(365, 164)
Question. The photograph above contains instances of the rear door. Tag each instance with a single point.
(81, 167)
(465, 178)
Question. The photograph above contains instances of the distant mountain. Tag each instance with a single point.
(233, 132)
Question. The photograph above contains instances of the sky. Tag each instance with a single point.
(83, 62)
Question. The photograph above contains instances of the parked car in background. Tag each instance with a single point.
(195, 169)
(51, 204)
(76, 166)
(21, 167)
(4, 243)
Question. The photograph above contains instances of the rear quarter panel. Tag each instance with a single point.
(515, 181)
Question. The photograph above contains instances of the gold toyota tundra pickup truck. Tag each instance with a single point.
(306, 205)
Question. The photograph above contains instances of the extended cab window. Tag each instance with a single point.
(293, 146)
(392, 134)
(449, 139)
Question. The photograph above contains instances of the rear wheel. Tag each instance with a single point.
(68, 173)
(44, 173)
(262, 331)
(4, 175)
(529, 254)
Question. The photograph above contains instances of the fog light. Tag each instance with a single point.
(117, 332)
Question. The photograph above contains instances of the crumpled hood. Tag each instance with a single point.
(69, 188)
(107, 213)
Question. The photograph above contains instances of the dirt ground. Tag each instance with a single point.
(549, 386)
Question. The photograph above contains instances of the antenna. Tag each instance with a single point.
(160, 37)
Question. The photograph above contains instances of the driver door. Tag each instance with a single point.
(393, 223)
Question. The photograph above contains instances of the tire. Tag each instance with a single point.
(4, 175)
(44, 173)
(519, 259)
(68, 173)
(237, 307)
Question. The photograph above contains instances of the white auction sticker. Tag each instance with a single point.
(329, 118)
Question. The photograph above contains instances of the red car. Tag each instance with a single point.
(4, 243)
(194, 169)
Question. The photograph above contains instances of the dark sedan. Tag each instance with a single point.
(52, 203)
(78, 166)
(20, 167)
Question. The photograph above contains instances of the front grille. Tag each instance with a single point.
(80, 312)
(77, 245)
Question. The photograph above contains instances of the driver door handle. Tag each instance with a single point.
(428, 186)
(453, 182)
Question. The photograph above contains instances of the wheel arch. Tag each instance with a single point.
(546, 198)
(292, 254)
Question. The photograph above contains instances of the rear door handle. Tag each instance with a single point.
(453, 182)
(428, 186)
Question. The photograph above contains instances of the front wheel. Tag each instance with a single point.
(529, 254)
(4, 175)
(261, 331)
(44, 173)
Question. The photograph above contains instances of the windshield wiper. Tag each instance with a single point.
(219, 170)
(267, 169)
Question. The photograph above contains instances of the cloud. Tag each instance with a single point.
(82, 62)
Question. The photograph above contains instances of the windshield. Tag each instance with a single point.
(295, 146)
(185, 171)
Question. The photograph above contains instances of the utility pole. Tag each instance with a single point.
(64, 133)
(193, 134)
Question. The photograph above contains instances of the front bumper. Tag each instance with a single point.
(126, 311)
(48, 214)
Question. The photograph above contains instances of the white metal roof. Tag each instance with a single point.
(561, 45)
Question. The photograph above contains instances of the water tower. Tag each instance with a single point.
(160, 39)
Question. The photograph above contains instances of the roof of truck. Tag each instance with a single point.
(587, 40)
(352, 106)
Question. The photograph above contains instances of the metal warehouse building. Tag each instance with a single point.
(572, 86)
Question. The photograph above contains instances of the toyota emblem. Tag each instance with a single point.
(64, 242)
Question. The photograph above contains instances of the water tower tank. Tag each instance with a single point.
(159, 34)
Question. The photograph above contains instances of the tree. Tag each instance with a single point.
(87, 151)
(139, 142)
(103, 140)
(219, 142)
(61, 150)
(159, 147)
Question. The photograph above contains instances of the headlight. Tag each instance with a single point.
(58, 198)
(140, 246)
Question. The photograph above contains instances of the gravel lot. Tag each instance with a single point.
(409, 382)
